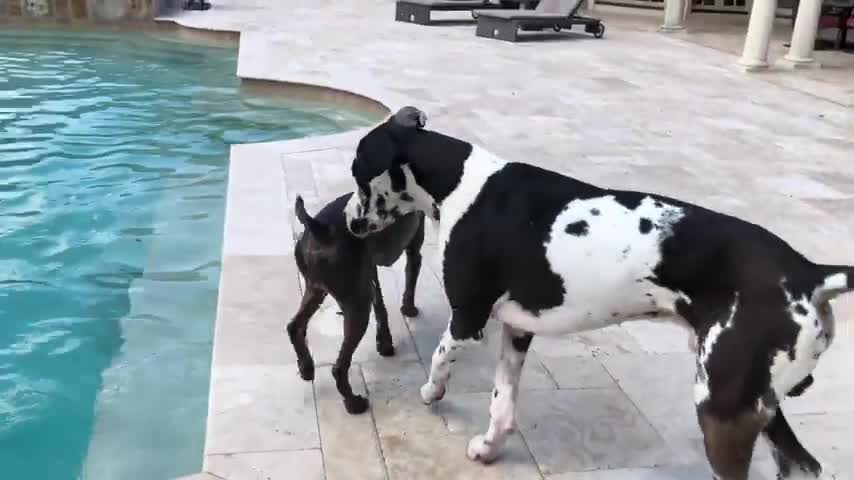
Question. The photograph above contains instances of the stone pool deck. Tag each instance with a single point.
(635, 110)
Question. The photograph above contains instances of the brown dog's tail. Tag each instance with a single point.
(319, 230)
(837, 279)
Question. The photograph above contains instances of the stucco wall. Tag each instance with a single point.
(97, 10)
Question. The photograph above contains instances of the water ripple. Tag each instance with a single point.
(113, 168)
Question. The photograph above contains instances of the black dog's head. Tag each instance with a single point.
(386, 187)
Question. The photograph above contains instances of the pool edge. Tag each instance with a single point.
(257, 177)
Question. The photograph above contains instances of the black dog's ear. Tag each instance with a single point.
(409, 117)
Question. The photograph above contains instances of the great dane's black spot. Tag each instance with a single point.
(658, 204)
(645, 225)
(630, 200)
(626, 251)
(801, 387)
(595, 212)
(406, 197)
(579, 228)
(435, 212)
(441, 349)
(495, 393)
(800, 310)
(521, 344)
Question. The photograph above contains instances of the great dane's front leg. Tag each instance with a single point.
(466, 326)
(502, 422)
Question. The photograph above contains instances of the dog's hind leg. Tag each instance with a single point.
(793, 460)
(730, 440)
(413, 268)
(385, 345)
(502, 422)
(357, 312)
(312, 298)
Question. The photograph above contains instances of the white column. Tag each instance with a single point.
(755, 55)
(803, 35)
(674, 11)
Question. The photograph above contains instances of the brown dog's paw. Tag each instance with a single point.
(385, 349)
(356, 404)
(410, 311)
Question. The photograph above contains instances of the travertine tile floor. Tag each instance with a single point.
(636, 110)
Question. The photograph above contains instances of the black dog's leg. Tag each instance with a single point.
(298, 327)
(413, 268)
(356, 315)
(793, 460)
(385, 346)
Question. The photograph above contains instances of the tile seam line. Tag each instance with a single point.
(637, 408)
(376, 430)
(273, 450)
(319, 433)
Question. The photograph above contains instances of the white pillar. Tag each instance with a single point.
(755, 55)
(674, 11)
(803, 35)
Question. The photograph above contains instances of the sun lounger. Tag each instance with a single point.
(554, 14)
(418, 11)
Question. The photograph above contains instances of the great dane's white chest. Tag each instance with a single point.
(477, 169)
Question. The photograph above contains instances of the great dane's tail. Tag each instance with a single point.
(838, 279)
(319, 230)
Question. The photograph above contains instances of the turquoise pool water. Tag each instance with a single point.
(113, 166)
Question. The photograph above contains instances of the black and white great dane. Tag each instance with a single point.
(548, 254)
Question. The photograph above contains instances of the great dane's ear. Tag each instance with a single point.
(409, 117)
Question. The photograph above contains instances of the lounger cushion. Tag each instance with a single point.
(450, 3)
(546, 10)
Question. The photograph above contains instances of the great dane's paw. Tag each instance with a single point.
(385, 348)
(430, 392)
(306, 369)
(480, 450)
(356, 404)
(409, 311)
(828, 472)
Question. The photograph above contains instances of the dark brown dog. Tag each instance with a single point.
(334, 261)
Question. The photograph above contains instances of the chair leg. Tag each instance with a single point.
(507, 30)
(412, 13)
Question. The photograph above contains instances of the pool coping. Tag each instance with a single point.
(256, 181)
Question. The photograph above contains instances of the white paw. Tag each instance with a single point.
(830, 473)
(430, 392)
(480, 450)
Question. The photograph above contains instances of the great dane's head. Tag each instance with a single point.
(387, 188)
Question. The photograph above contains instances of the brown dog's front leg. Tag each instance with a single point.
(356, 316)
(385, 345)
(413, 268)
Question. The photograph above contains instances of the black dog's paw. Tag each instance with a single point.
(385, 349)
(306, 370)
(356, 404)
(410, 311)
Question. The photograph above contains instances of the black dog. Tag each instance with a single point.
(333, 261)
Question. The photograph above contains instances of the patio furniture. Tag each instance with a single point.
(196, 5)
(836, 14)
(418, 11)
(554, 14)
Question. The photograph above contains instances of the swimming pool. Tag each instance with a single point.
(113, 166)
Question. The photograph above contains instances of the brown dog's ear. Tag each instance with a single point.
(410, 117)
